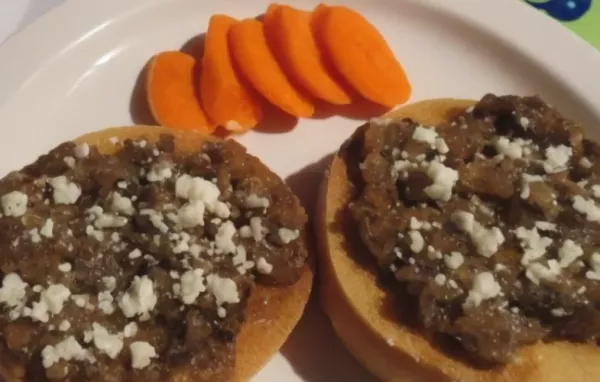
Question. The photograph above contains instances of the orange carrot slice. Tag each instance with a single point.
(227, 101)
(289, 33)
(255, 60)
(171, 93)
(361, 55)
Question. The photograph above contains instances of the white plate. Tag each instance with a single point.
(74, 70)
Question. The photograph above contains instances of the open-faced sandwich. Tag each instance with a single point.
(461, 242)
(146, 254)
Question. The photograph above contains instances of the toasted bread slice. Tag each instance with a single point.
(271, 313)
(358, 306)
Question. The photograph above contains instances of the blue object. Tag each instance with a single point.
(563, 10)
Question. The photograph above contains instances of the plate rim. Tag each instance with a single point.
(570, 64)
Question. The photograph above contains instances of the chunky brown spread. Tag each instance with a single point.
(136, 265)
(490, 223)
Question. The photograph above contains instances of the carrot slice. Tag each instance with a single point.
(289, 33)
(361, 55)
(227, 101)
(171, 93)
(273, 7)
(257, 63)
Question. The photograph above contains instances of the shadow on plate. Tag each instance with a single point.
(313, 349)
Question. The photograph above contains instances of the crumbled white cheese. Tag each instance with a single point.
(196, 188)
(156, 219)
(64, 192)
(223, 289)
(109, 344)
(109, 221)
(14, 203)
(557, 158)
(191, 214)
(255, 201)
(139, 298)
(82, 150)
(569, 252)
(141, 354)
(454, 260)
(484, 287)
(64, 326)
(130, 330)
(69, 161)
(105, 302)
(47, 228)
(287, 235)
(224, 238)
(512, 150)
(545, 226)
(263, 266)
(534, 245)
(257, 229)
(13, 292)
(440, 279)
(192, 284)
(34, 235)
(586, 207)
(69, 349)
(524, 122)
(81, 300)
(537, 271)
(52, 300)
(122, 204)
(443, 178)
(160, 172)
(486, 241)
(594, 263)
(426, 135)
(417, 241)
(441, 146)
(96, 234)
(558, 312)
(526, 180)
(596, 191)
(585, 163)
(65, 267)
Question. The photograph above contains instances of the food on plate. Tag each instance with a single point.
(227, 101)
(147, 254)
(290, 36)
(481, 220)
(171, 92)
(259, 67)
(361, 55)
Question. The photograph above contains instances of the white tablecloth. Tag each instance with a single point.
(15, 14)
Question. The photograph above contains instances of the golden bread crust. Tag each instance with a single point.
(362, 312)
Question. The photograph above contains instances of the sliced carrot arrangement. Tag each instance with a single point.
(361, 55)
(171, 93)
(290, 36)
(226, 100)
(257, 63)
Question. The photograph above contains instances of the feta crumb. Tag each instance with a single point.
(424, 134)
(192, 284)
(130, 330)
(417, 241)
(64, 192)
(537, 271)
(594, 263)
(14, 203)
(109, 344)
(105, 302)
(585, 163)
(65, 267)
(191, 214)
(557, 158)
(64, 326)
(484, 287)
(160, 172)
(69, 349)
(524, 122)
(545, 226)
(110, 282)
(454, 260)
(534, 245)
(139, 298)
(569, 252)
(558, 312)
(13, 291)
(486, 241)
(96, 234)
(47, 228)
(443, 178)
(69, 161)
(512, 150)
(82, 150)
(596, 191)
(526, 180)
(122, 204)
(586, 207)
(223, 289)
(141, 354)
(288, 235)
(440, 279)
(224, 238)
(135, 254)
(255, 201)
(263, 266)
